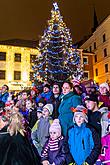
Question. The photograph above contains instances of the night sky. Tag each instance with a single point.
(27, 19)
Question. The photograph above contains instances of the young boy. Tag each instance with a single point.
(53, 152)
(84, 142)
(41, 134)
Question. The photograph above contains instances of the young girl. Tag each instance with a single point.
(53, 152)
(84, 142)
(104, 158)
(14, 145)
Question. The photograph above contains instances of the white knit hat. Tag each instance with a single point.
(49, 107)
(104, 85)
(55, 126)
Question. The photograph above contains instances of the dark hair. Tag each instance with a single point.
(7, 88)
(68, 82)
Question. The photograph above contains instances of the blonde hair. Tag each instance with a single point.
(16, 124)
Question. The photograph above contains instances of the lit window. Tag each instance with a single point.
(17, 75)
(86, 75)
(106, 68)
(2, 56)
(95, 58)
(105, 52)
(17, 57)
(96, 72)
(85, 60)
(104, 37)
(2, 74)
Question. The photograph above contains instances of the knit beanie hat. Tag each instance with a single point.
(55, 126)
(104, 85)
(46, 85)
(92, 97)
(49, 107)
(80, 109)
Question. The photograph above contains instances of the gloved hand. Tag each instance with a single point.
(45, 162)
(72, 163)
(85, 163)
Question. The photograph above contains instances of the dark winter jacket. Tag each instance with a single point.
(57, 156)
(16, 150)
(65, 113)
(94, 119)
(84, 144)
(3, 98)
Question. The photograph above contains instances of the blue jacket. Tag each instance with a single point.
(65, 114)
(84, 144)
(3, 98)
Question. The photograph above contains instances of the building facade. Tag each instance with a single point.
(16, 66)
(99, 44)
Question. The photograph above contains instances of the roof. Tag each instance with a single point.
(20, 42)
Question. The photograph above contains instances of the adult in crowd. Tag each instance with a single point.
(104, 95)
(14, 145)
(94, 115)
(4, 95)
(56, 89)
(68, 100)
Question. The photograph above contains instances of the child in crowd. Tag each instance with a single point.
(41, 134)
(84, 142)
(104, 158)
(53, 152)
(14, 145)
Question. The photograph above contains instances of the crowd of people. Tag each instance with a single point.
(57, 124)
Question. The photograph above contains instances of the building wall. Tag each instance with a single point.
(98, 39)
(9, 66)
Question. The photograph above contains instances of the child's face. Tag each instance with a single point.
(103, 90)
(54, 134)
(79, 119)
(39, 115)
(28, 104)
(45, 112)
(90, 104)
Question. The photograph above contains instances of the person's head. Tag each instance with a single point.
(55, 129)
(3, 121)
(78, 89)
(103, 88)
(56, 89)
(24, 95)
(28, 104)
(47, 110)
(67, 87)
(16, 124)
(46, 88)
(91, 102)
(39, 112)
(5, 88)
(41, 102)
(80, 115)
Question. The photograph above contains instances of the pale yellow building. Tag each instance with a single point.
(15, 66)
(99, 44)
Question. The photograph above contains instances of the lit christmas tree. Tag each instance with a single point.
(57, 61)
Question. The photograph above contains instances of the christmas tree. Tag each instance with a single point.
(57, 60)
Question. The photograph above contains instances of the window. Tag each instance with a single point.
(95, 58)
(2, 56)
(106, 68)
(31, 75)
(32, 58)
(85, 60)
(105, 52)
(104, 37)
(86, 75)
(94, 45)
(17, 57)
(2, 74)
(96, 72)
(17, 75)
(90, 48)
